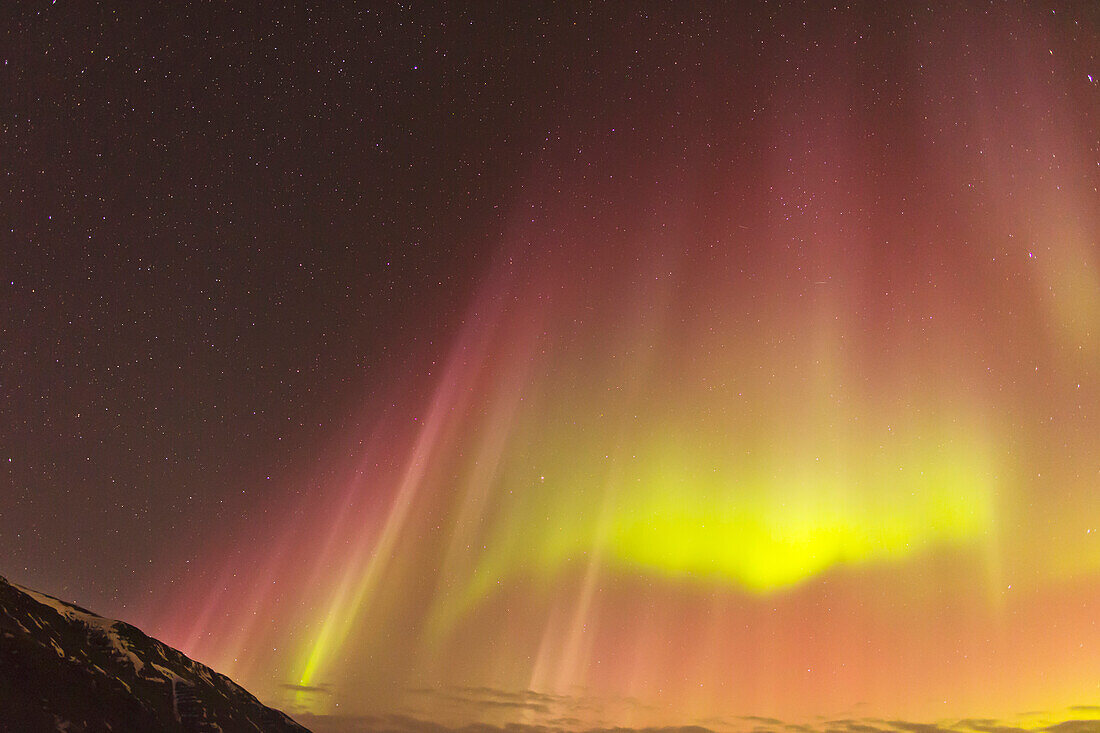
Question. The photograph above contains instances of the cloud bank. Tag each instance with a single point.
(534, 712)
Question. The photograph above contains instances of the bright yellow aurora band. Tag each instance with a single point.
(796, 413)
(757, 529)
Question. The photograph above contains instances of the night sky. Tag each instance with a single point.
(560, 365)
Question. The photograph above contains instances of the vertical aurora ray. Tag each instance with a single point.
(783, 401)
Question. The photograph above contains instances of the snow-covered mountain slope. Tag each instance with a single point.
(63, 668)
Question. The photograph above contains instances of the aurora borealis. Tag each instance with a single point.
(764, 381)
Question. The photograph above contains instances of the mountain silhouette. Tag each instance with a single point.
(63, 668)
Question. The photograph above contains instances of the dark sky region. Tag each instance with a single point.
(565, 365)
(227, 225)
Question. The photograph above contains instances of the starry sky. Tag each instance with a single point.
(565, 366)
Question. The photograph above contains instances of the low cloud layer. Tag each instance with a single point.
(551, 714)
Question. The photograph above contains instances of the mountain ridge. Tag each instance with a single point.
(64, 668)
